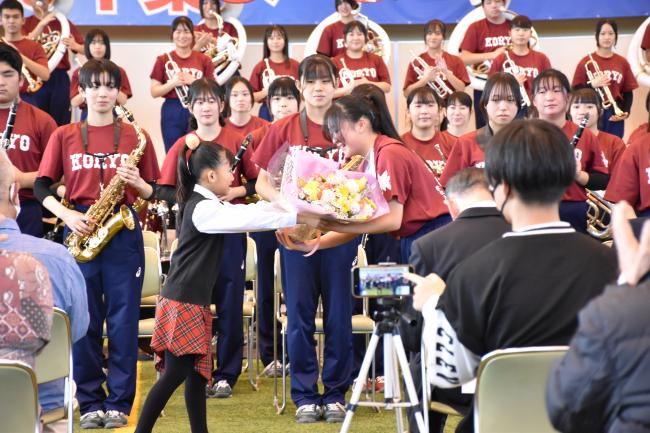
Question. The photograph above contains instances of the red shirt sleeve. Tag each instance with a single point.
(168, 170)
(580, 75)
(394, 174)
(126, 85)
(256, 76)
(52, 163)
(459, 158)
(625, 182)
(325, 43)
(74, 83)
(457, 67)
(470, 41)
(594, 158)
(645, 43)
(271, 142)
(148, 164)
(158, 72)
(629, 81)
(411, 76)
(497, 65)
(76, 34)
(382, 71)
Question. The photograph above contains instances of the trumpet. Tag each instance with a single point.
(268, 75)
(605, 94)
(598, 214)
(183, 92)
(438, 84)
(511, 68)
(345, 75)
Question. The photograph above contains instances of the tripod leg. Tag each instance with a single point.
(361, 380)
(408, 381)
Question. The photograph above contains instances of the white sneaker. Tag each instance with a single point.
(91, 420)
(309, 413)
(115, 419)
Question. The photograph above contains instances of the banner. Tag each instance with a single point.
(310, 12)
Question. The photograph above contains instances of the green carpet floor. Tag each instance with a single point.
(250, 411)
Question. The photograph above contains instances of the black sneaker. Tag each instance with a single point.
(91, 420)
(308, 413)
(334, 412)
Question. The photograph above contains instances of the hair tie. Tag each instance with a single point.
(192, 141)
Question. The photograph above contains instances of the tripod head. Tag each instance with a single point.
(386, 314)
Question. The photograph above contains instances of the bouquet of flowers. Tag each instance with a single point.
(315, 184)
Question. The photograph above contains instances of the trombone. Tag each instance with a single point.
(511, 68)
(438, 84)
(183, 92)
(605, 94)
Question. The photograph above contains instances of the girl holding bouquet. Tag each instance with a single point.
(324, 274)
(181, 337)
(361, 123)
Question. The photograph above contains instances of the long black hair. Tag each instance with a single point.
(191, 163)
(366, 100)
(201, 88)
(90, 36)
(268, 32)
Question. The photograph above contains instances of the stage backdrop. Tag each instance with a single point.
(307, 12)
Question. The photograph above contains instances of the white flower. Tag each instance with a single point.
(384, 181)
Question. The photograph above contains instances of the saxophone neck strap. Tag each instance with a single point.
(303, 126)
(117, 126)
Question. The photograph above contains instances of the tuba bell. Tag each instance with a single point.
(637, 56)
(227, 51)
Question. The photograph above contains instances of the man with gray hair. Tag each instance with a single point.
(68, 284)
(476, 222)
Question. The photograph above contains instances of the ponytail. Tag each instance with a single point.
(383, 122)
(192, 160)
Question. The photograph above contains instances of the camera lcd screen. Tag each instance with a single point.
(379, 281)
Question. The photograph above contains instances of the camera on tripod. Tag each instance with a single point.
(385, 280)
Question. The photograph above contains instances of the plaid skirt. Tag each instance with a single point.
(183, 329)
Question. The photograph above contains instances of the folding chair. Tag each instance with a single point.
(510, 389)
(361, 324)
(55, 362)
(18, 398)
(250, 316)
(151, 240)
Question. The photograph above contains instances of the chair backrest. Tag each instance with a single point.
(152, 273)
(54, 360)
(251, 259)
(18, 398)
(510, 389)
(277, 272)
(151, 240)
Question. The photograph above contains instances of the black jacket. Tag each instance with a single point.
(603, 382)
(441, 250)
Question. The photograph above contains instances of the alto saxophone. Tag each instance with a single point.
(106, 222)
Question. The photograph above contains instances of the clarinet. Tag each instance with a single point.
(11, 118)
(240, 153)
(580, 130)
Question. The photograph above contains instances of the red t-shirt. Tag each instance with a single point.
(289, 68)
(483, 36)
(74, 85)
(332, 41)
(465, 153)
(197, 64)
(454, 64)
(404, 177)
(32, 21)
(645, 42)
(449, 136)
(590, 156)
(227, 28)
(616, 68)
(65, 157)
(250, 126)
(530, 64)
(33, 51)
(638, 132)
(631, 180)
(428, 151)
(288, 130)
(228, 139)
(32, 130)
(612, 148)
(369, 66)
